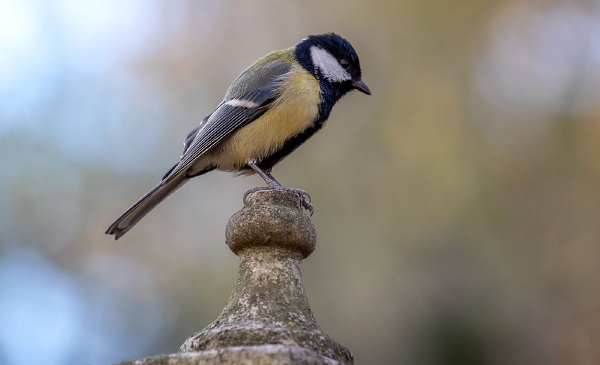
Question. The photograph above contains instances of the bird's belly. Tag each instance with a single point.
(267, 134)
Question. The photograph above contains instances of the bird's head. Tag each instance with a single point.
(333, 60)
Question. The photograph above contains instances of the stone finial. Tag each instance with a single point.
(267, 319)
(271, 219)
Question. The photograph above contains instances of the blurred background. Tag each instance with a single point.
(457, 208)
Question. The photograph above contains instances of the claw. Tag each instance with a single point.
(307, 205)
(302, 195)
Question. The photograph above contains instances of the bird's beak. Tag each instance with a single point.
(361, 86)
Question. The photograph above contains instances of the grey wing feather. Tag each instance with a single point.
(192, 135)
(255, 79)
(257, 84)
(187, 142)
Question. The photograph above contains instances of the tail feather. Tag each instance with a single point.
(143, 206)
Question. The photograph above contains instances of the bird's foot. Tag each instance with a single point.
(303, 196)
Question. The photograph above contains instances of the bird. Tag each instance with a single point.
(272, 108)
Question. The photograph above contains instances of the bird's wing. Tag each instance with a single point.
(192, 135)
(248, 98)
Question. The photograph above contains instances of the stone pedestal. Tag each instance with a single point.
(267, 319)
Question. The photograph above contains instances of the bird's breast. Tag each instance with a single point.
(291, 113)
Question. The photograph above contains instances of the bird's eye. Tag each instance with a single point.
(345, 64)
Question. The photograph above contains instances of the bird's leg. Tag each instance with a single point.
(304, 195)
(274, 184)
(266, 175)
(300, 191)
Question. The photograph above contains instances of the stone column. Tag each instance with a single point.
(267, 319)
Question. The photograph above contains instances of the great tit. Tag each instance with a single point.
(273, 107)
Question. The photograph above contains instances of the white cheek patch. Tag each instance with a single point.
(328, 65)
(242, 103)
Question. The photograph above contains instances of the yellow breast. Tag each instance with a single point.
(294, 111)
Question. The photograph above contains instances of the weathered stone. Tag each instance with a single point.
(271, 218)
(254, 355)
(267, 319)
(267, 306)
